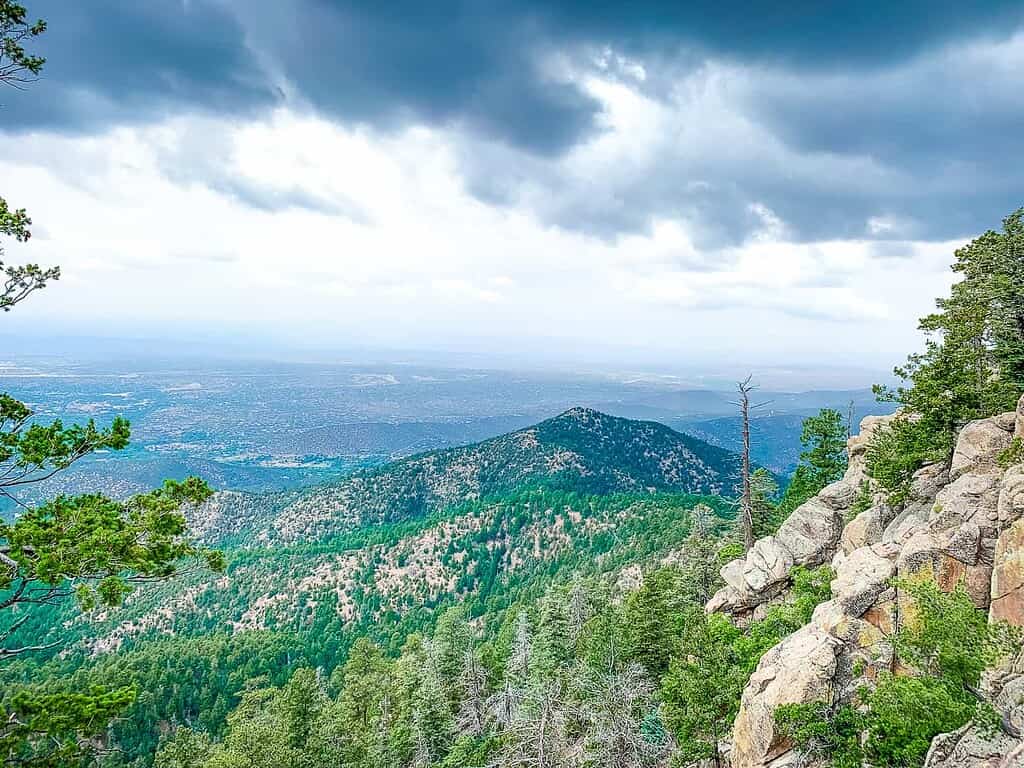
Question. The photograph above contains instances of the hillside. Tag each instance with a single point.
(278, 608)
(380, 551)
(581, 450)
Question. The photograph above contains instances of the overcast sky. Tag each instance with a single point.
(700, 181)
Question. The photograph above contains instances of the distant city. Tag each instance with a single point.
(258, 426)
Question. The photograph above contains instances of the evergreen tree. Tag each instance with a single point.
(453, 638)
(431, 714)
(552, 645)
(700, 556)
(184, 749)
(823, 460)
(702, 688)
(763, 490)
(651, 620)
(298, 706)
(973, 362)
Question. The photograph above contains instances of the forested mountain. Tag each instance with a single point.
(380, 556)
(581, 450)
(192, 644)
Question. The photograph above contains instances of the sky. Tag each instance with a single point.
(645, 182)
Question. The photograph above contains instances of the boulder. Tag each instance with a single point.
(862, 577)
(811, 533)
(970, 747)
(974, 496)
(767, 564)
(724, 600)
(1010, 505)
(732, 575)
(919, 553)
(978, 445)
(926, 484)
(1007, 590)
(962, 542)
(929, 551)
(839, 496)
(904, 526)
(808, 537)
(866, 528)
(798, 670)
(1019, 419)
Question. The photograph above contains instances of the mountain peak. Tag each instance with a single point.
(582, 450)
(582, 414)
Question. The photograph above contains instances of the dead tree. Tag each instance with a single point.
(744, 388)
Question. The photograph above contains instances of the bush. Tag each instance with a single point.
(820, 731)
(1012, 455)
(896, 452)
(906, 713)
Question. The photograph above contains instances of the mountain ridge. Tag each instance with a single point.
(581, 449)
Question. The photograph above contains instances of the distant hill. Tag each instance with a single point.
(581, 450)
(775, 437)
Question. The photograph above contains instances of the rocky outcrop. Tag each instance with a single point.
(1007, 593)
(962, 524)
(798, 669)
(862, 577)
(979, 443)
(809, 537)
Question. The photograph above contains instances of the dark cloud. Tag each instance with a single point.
(471, 62)
(844, 88)
(117, 61)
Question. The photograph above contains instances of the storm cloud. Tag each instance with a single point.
(843, 120)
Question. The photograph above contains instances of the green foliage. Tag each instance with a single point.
(91, 547)
(906, 713)
(823, 732)
(823, 460)
(714, 661)
(16, 64)
(47, 730)
(763, 490)
(701, 691)
(810, 587)
(973, 362)
(824, 438)
(183, 749)
(948, 642)
(896, 452)
(1013, 454)
(652, 618)
(945, 636)
(865, 499)
(87, 544)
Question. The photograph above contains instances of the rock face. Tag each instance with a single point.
(810, 537)
(1008, 576)
(962, 524)
(798, 669)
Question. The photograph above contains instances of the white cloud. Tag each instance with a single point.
(155, 233)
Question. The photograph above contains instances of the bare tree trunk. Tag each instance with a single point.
(746, 509)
